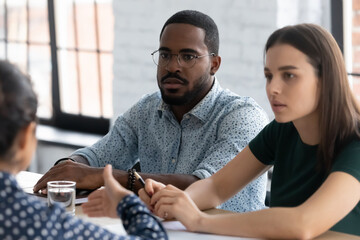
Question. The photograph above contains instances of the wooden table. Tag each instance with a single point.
(175, 229)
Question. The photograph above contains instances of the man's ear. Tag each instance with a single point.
(26, 135)
(215, 64)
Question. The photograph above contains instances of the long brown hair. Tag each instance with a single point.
(339, 114)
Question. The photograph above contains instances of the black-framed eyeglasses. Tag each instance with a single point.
(187, 60)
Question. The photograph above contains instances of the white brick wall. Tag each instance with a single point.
(298, 11)
(244, 26)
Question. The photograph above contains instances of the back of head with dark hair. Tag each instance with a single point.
(339, 115)
(18, 104)
(199, 20)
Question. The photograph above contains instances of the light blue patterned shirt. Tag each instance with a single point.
(207, 138)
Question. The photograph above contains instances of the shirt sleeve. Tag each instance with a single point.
(234, 133)
(348, 160)
(137, 220)
(119, 147)
(263, 145)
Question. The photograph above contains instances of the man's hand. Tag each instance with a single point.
(86, 177)
(103, 202)
(151, 187)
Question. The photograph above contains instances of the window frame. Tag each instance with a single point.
(337, 29)
(337, 21)
(59, 118)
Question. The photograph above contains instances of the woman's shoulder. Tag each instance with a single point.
(352, 147)
(273, 136)
(348, 159)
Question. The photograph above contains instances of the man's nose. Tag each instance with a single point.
(173, 64)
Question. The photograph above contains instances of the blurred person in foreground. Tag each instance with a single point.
(23, 216)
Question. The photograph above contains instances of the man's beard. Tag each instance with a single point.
(188, 96)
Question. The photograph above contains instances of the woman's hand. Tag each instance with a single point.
(103, 202)
(171, 202)
(151, 187)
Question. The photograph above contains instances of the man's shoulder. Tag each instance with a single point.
(151, 97)
(235, 101)
(245, 109)
(148, 103)
(149, 100)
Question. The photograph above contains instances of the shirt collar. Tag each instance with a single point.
(203, 109)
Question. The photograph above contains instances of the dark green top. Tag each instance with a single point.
(295, 177)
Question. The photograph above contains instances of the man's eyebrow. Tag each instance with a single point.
(187, 50)
(164, 49)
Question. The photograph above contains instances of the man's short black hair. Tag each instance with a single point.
(199, 20)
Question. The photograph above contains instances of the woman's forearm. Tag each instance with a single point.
(210, 192)
(278, 223)
(204, 194)
(313, 217)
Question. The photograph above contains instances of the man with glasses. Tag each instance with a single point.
(186, 132)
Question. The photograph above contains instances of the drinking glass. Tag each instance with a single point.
(62, 192)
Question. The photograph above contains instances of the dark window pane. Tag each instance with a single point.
(17, 26)
(40, 72)
(64, 24)
(90, 91)
(107, 77)
(69, 89)
(85, 23)
(38, 24)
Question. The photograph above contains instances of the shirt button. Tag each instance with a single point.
(173, 160)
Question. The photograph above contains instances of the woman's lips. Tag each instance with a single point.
(277, 106)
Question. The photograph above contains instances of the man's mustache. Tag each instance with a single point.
(174, 75)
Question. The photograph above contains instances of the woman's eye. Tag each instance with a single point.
(268, 77)
(289, 75)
